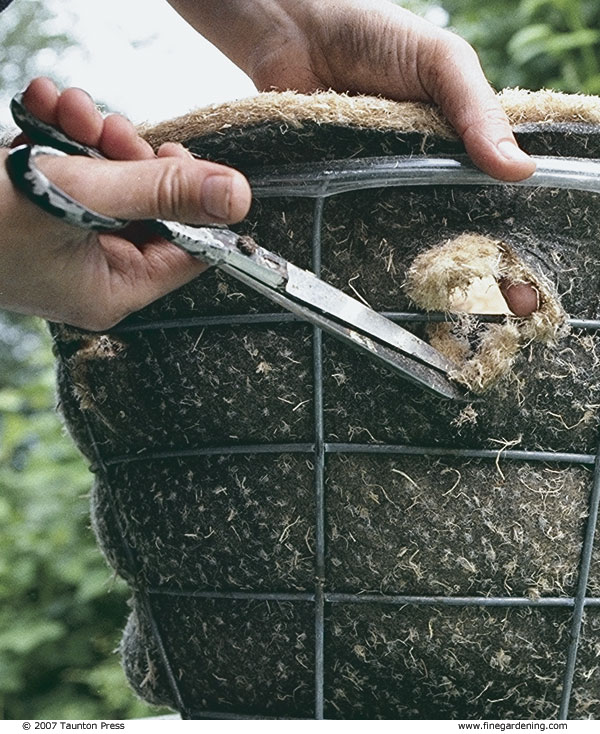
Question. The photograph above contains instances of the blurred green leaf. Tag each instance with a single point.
(25, 635)
(592, 85)
(529, 42)
(11, 400)
(61, 610)
(534, 44)
(559, 43)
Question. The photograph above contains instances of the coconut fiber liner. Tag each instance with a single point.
(305, 533)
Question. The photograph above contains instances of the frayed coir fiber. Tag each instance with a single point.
(178, 507)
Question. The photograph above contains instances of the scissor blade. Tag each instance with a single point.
(222, 248)
(317, 294)
(427, 377)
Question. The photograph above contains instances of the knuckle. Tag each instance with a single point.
(169, 190)
(198, 191)
(450, 56)
(485, 123)
(496, 119)
(455, 47)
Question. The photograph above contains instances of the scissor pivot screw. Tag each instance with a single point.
(246, 245)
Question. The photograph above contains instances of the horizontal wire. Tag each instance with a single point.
(299, 596)
(132, 326)
(559, 457)
(457, 601)
(351, 448)
(250, 449)
(394, 599)
(585, 324)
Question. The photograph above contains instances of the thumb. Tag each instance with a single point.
(457, 83)
(174, 187)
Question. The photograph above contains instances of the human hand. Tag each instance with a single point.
(51, 269)
(376, 47)
(368, 47)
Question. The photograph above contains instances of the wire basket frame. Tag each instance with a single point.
(320, 598)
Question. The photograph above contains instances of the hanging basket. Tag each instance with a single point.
(304, 533)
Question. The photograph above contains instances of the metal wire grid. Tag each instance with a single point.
(318, 450)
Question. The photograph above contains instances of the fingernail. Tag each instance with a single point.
(220, 195)
(216, 195)
(512, 151)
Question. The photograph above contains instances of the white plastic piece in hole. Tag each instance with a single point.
(483, 296)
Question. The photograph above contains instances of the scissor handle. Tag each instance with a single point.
(42, 133)
(209, 243)
(263, 270)
(38, 188)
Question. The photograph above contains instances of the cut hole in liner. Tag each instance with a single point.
(462, 277)
(482, 296)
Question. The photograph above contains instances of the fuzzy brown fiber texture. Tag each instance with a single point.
(178, 414)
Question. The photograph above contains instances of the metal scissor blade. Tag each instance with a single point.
(306, 295)
(317, 294)
(292, 288)
(422, 374)
(297, 290)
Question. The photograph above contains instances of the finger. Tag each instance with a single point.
(78, 116)
(188, 190)
(119, 140)
(76, 113)
(127, 278)
(21, 139)
(41, 98)
(458, 85)
(522, 298)
(176, 150)
(148, 270)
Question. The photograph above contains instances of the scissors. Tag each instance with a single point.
(296, 290)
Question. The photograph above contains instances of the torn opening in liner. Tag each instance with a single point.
(441, 279)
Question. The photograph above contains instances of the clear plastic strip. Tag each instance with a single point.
(327, 178)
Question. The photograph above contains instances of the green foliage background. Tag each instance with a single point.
(60, 610)
(532, 44)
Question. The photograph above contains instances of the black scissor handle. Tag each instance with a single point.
(42, 133)
(37, 187)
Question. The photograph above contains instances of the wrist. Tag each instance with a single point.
(249, 32)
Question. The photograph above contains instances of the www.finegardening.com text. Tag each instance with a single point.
(513, 726)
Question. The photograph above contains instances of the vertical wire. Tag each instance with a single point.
(584, 572)
(143, 596)
(319, 458)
